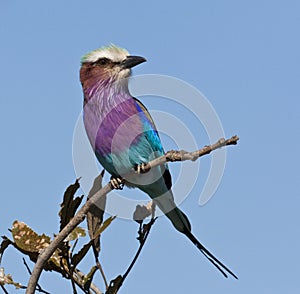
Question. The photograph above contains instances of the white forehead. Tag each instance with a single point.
(111, 52)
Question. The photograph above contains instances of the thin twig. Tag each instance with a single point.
(69, 270)
(3, 288)
(93, 287)
(79, 217)
(38, 287)
(73, 247)
(73, 282)
(145, 233)
(99, 266)
(77, 279)
(26, 265)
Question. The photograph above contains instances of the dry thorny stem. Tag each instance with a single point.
(170, 156)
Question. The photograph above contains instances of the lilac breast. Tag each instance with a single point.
(112, 129)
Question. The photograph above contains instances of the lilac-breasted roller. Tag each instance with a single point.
(123, 134)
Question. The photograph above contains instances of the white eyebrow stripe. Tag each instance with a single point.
(114, 53)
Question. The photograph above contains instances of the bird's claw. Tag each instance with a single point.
(142, 168)
(117, 183)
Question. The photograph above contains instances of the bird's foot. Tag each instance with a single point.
(142, 168)
(117, 183)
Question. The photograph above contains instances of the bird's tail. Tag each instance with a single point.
(217, 263)
(181, 223)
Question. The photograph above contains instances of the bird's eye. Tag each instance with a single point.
(102, 61)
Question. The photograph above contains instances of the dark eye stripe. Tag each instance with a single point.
(103, 61)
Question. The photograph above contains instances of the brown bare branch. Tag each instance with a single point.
(181, 155)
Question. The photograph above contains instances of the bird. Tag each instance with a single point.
(123, 134)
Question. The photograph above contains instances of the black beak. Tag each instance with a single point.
(132, 61)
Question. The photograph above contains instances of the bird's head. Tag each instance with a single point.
(110, 63)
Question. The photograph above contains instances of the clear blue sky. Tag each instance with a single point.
(243, 55)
